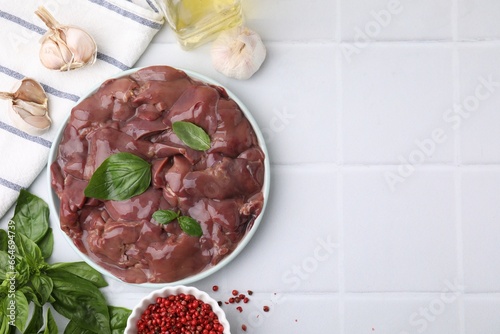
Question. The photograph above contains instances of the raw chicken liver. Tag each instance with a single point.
(221, 188)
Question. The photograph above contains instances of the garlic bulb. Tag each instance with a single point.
(28, 110)
(65, 47)
(238, 53)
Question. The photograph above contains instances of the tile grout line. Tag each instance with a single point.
(340, 159)
(454, 21)
(341, 266)
(448, 166)
(460, 252)
(382, 42)
(458, 171)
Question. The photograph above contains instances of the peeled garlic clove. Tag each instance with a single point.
(238, 53)
(65, 47)
(28, 110)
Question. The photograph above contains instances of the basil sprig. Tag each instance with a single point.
(73, 289)
(189, 225)
(121, 176)
(192, 135)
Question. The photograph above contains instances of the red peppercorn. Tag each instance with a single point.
(215, 288)
(266, 308)
(241, 296)
(246, 300)
(235, 292)
(244, 327)
(239, 308)
(250, 292)
(179, 314)
(231, 300)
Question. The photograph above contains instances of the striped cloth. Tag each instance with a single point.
(122, 30)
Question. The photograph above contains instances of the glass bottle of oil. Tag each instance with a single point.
(198, 21)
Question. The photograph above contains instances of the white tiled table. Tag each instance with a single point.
(384, 214)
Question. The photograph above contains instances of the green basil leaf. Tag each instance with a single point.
(36, 322)
(31, 216)
(46, 244)
(29, 250)
(5, 328)
(30, 295)
(4, 304)
(50, 325)
(4, 240)
(165, 216)
(43, 286)
(118, 319)
(4, 265)
(120, 177)
(4, 325)
(79, 300)
(192, 135)
(74, 328)
(82, 270)
(21, 310)
(190, 226)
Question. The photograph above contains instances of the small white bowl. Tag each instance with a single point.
(174, 290)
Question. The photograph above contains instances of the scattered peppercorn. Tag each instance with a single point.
(215, 288)
(266, 308)
(244, 327)
(239, 308)
(246, 300)
(235, 292)
(250, 292)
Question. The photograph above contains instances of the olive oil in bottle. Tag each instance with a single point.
(198, 21)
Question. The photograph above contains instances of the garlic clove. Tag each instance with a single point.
(238, 53)
(39, 122)
(28, 107)
(65, 47)
(23, 113)
(82, 46)
(30, 90)
(53, 56)
(34, 125)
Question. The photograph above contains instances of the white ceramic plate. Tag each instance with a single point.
(174, 290)
(54, 200)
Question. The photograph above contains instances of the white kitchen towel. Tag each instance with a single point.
(122, 30)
